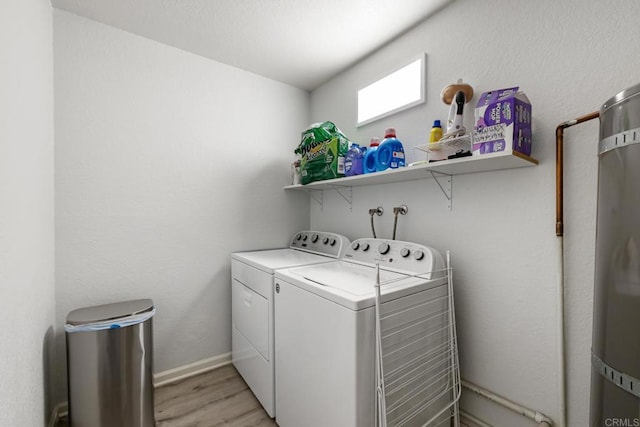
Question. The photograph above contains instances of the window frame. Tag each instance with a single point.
(423, 80)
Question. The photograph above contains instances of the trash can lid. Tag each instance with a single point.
(109, 312)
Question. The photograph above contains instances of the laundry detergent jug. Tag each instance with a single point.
(390, 153)
(369, 161)
(353, 161)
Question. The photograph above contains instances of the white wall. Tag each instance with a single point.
(166, 163)
(569, 57)
(26, 210)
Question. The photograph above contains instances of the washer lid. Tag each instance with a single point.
(273, 259)
(354, 279)
(351, 284)
(110, 313)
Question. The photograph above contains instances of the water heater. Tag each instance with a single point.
(615, 358)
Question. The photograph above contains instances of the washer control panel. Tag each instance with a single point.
(395, 254)
(320, 242)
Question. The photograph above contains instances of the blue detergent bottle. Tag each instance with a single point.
(369, 161)
(353, 160)
(390, 153)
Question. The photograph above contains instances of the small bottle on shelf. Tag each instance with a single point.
(436, 132)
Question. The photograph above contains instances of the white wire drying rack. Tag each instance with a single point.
(417, 368)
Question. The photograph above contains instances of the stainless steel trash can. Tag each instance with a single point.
(109, 365)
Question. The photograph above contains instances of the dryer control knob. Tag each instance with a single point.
(325, 240)
(365, 247)
(333, 242)
(305, 237)
(315, 238)
(418, 255)
(405, 252)
(299, 236)
(384, 248)
(355, 246)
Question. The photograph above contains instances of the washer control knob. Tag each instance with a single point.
(418, 255)
(305, 237)
(383, 248)
(325, 240)
(355, 246)
(405, 252)
(315, 238)
(333, 242)
(365, 247)
(299, 236)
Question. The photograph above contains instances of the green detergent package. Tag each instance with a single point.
(323, 149)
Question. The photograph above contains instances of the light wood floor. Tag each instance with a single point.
(216, 398)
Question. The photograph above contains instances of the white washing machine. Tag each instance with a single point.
(325, 323)
(252, 304)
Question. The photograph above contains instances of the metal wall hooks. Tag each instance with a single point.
(397, 210)
(402, 210)
(376, 211)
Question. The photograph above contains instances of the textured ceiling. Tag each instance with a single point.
(299, 42)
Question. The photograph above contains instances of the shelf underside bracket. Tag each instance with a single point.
(445, 182)
(345, 192)
(318, 200)
(347, 195)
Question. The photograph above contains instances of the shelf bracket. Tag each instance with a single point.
(345, 192)
(347, 196)
(445, 186)
(318, 200)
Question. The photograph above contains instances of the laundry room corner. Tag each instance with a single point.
(163, 170)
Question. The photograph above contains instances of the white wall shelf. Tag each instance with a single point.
(463, 165)
(448, 168)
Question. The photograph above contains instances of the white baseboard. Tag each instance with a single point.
(191, 370)
(161, 378)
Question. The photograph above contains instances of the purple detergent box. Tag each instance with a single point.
(503, 123)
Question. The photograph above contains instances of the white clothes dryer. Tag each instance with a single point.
(252, 345)
(325, 322)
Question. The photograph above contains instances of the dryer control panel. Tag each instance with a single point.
(320, 242)
(396, 255)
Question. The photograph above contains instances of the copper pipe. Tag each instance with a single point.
(560, 164)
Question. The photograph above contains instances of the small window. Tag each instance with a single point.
(395, 92)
